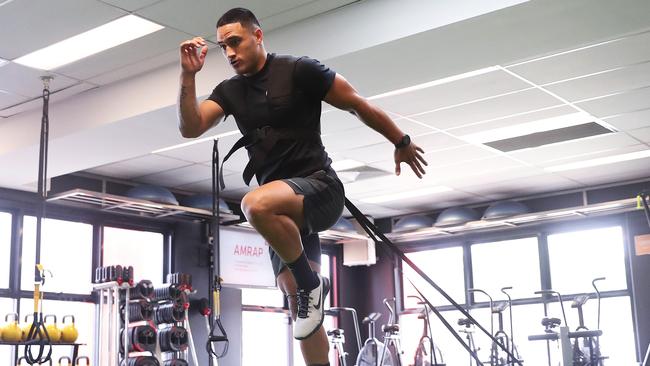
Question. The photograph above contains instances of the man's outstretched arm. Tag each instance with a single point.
(343, 96)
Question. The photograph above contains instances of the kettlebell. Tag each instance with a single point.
(68, 361)
(52, 330)
(83, 358)
(69, 333)
(12, 332)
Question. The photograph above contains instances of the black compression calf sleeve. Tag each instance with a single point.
(306, 279)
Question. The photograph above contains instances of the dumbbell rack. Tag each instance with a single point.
(111, 291)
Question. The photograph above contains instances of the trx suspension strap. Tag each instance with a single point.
(38, 336)
(374, 234)
(213, 277)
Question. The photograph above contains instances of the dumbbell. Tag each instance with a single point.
(173, 339)
(139, 310)
(85, 358)
(67, 359)
(169, 313)
(141, 339)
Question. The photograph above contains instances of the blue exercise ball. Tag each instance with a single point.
(204, 202)
(411, 223)
(456, 216)
(503, 209)
(153, 193)
(344, 225)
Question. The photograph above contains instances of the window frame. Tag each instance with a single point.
(541, 232)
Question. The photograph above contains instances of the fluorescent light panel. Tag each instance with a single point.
(194, 142)
(406, 194)
(529, 128)
(599, 161)
(96, 40)
(429, 84)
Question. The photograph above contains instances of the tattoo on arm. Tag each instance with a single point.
(183, 92)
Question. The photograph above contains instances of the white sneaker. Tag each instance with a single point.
(310, 309)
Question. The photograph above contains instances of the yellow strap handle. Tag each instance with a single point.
(37, 288)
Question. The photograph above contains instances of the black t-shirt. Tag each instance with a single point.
(245, 98)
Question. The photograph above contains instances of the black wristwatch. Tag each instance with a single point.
(404, 142)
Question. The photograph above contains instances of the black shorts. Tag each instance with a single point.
(322, 207)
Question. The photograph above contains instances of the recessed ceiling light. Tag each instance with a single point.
(2, 62)
(429, 84)
(599, 161)
(406, 194)
(96, 40)
(523, 129)
(194, 142)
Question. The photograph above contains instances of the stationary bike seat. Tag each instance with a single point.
(390, 328)
(335, 332)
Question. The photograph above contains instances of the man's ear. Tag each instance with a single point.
(259, 35)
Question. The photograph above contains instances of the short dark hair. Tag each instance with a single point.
(239, 15)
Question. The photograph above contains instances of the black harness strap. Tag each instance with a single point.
(259, 143)
(372, 230)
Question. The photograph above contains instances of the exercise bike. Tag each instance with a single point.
(426, 353)
(468, 330)
(376, 353)
(336, 336)
(502, 339)
(585, 349)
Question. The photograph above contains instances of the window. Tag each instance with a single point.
(5, 248)
(576, 258)
(501, 264)
(66, 251)
(262, 297)
(444, 267)
(144, 250)
(84, 314)
(6, 307)
(265, 335)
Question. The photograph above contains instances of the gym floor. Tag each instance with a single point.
(535, 121)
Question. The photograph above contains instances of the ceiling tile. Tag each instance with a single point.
(437, 141)
(8, 99)
(461, 91)
(25, 81)
(575, 148)
(138, 167)
(302, 11)
(131, 5)
(631, 120)
(356, 137)
(49, 22)
(612, 173)
(136, 69)
(616, 81)
(488, 109)
(618, 103)
(642, 134)
(202, 152)
(199, 17)
(602, 153)
(37, 103)
(336, 120)
(512, 120)
(138, 50)
(606, 56)
(520, 187)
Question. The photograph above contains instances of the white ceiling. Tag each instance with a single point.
(586, 56)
